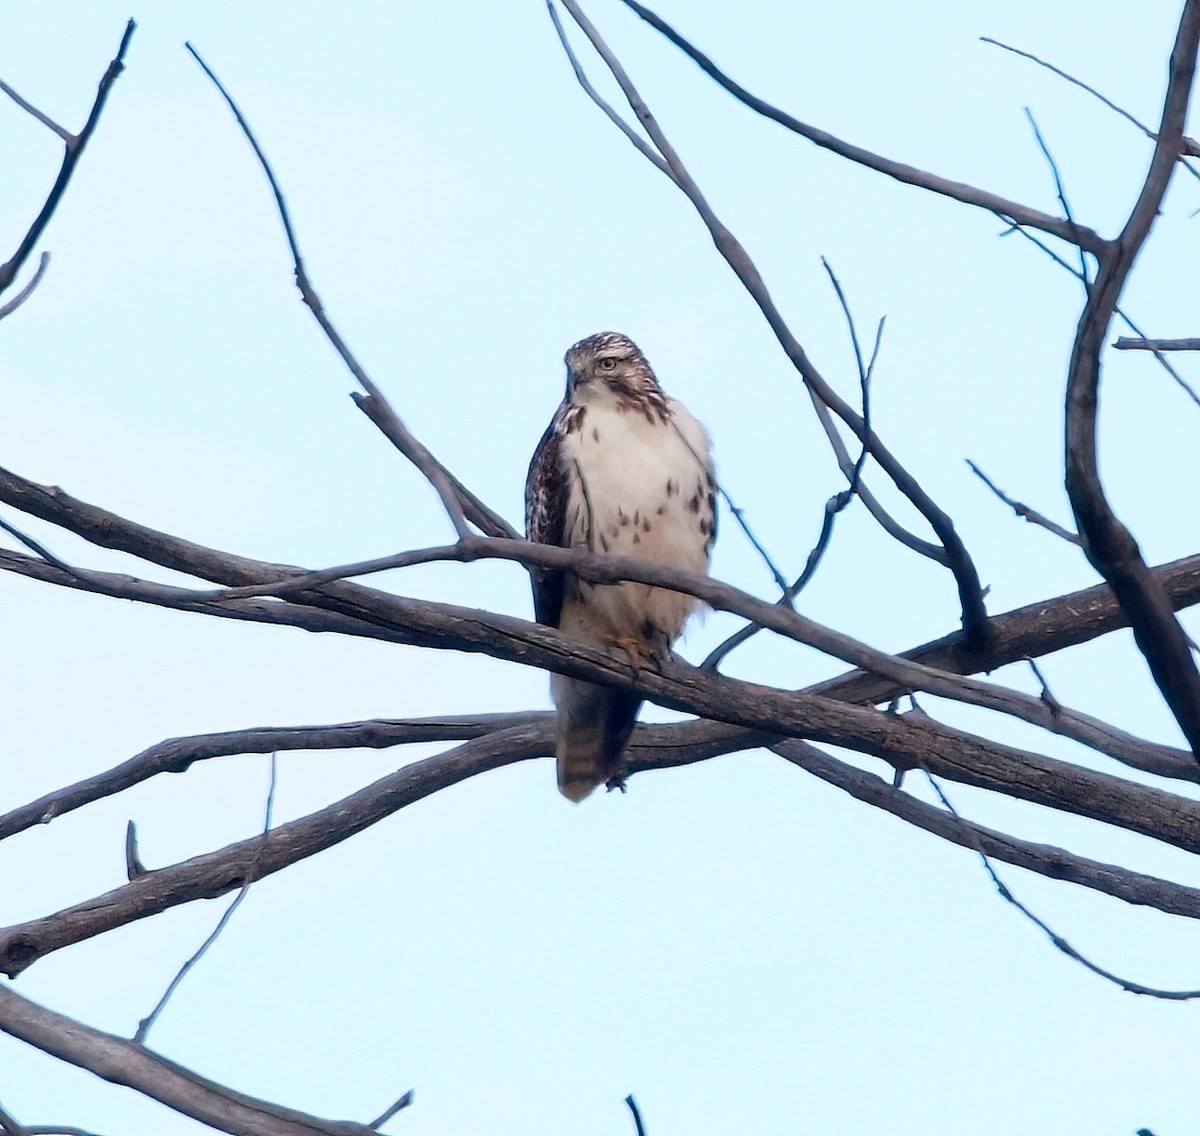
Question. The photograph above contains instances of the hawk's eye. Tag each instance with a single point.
(607, 363)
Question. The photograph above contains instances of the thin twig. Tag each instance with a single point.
(637, 1116)
(835, 505)
(647, 151)
(1061, 191)
(75, 146)
(37, 547)
(744, 525)
(1054, 937)
(391, 1110)
(27, 291)
(910, 175)
(1022, 510)
(133, 860)
(1047, 694)
(145, 1025)
(1162, 360)
(41, 116)
(1090, 90)
(435, 473)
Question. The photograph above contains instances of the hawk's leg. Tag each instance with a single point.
(641, 655)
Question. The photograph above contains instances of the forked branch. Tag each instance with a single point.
(75, 145)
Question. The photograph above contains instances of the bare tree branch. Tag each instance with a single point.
(24, 294)
(953, 553)
(447, 626)
(75, 145)
(907, 741)
(910, 175)
(1056, 863)
(1124, 343)
(1109, 545)
(147, 1023)
(1059, 942)
(375, 404)
(177, 755)
(1094, 93)
(1061, 193)
(123, 1062)
(403, 614)
(1024, 511)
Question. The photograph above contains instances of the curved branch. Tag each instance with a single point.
(1046, 860)
(460, 504)
(1019, 214)
(177, 755)
(1109, 545)
(12, 305)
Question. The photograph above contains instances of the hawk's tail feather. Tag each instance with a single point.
(594, 724)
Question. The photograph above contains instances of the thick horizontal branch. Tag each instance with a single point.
(908, 741)
(440, 625)
(1029, 632)
(1129, 343)
(1045, 859)
(88, 522)
(123, 1062)
(1032, 631)
(601, 569)
(1019, 214)
(176, 755)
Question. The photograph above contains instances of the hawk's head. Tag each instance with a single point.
(610, 363)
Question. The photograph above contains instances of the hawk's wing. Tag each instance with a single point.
(546, 493)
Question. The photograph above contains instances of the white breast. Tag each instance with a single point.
(643, 488)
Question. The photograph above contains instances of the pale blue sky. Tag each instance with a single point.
(738, 945)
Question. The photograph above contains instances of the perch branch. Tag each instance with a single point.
(446, 626)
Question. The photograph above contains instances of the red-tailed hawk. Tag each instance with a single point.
(621, 468)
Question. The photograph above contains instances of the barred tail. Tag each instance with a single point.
(594, 724)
